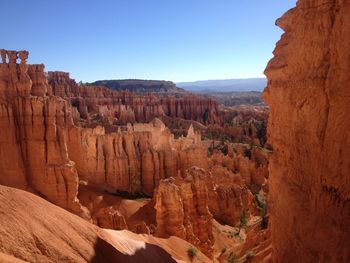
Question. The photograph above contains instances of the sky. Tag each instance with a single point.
(177, 40)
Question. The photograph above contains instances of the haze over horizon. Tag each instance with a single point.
(180, 41)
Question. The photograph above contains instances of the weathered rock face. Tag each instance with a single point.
(309, 99)
(249, 163)
(170, 211)
(228, 196)
(241, 124)
(124, 161)
(109, 217)
(33, 148)
(185, 207)
(182, 210)
(39, 79)
(121, 107)
(133, 160)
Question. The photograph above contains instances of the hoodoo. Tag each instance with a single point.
(140, 170)
(309, 97)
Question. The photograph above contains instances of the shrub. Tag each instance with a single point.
(243, 221)
(249, 255)
(244, 218)
(232, 258)
(192, 252)
(261, 202)
(223, 250)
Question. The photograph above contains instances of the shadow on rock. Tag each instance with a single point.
(106, 253)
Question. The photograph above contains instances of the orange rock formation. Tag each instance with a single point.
(132, 160)
(182, 210)
(309, 98)
(33, 146)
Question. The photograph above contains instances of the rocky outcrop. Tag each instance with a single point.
(228, 196)
(33, 146)
(249, 163)
(134, 159)
(240, 124)
(128, 161)
(185, 207)
(309, 97)
(110, 217)
(182, 210)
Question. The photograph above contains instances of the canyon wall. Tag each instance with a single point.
(309, 98)
(132, 161)
(121, 107)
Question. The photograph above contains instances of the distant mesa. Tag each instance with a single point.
(140, 86)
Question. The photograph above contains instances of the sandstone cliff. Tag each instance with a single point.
(33, 147)
(309, 98)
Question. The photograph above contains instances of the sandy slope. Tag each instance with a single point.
(175, 246)
(34, 230)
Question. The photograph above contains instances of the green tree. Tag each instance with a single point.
(192, 252)
(243, 221)
(232, 258)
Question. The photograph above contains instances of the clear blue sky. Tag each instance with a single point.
(179, 40)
